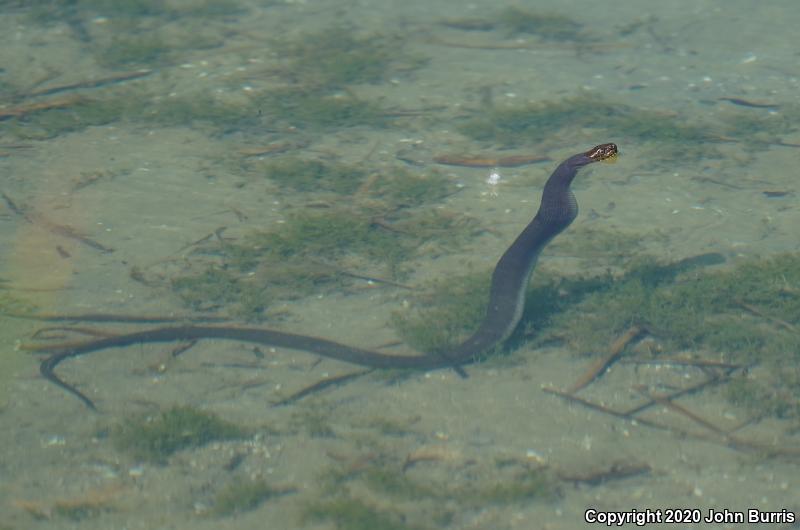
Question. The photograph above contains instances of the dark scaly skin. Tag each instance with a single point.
(510, 278)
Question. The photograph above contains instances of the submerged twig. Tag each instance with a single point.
(682, 361)
(617, 471)
(750, 103)
(667, 402)
(756, 311)
(320, 386)
(602, 364)
(357, 276)
(54, 228)
(111, 317)
(92, 83)
(489, 161)
(22, 110)
(710, 381)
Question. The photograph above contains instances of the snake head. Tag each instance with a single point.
(602, 152)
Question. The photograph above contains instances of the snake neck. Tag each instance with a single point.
(559, 207)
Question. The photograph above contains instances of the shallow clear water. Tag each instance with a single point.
(149, 167)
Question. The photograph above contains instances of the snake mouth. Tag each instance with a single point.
(603, 152)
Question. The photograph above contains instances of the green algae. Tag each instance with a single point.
(124, 8)
(322, 66)
(296, 259)
(757, 129)
(154, 438)
(516, 125)
(744, 314)
(12, 362)
(703, 309)
(434, 498)
(664, 136)
(77, 512)
(392, 426)
(194, 107)
(732, 313)
(136, 106)
(314, 97)
(395, 187)
(338, 56)
(444, 312)
(355, 514)
(610, 247)
(515, 21)
(311, 175)
(45, 11)
(307, 253)
(401, 187)
(762, 397)
(318, 110)
(548, 26)
(129, 50)
(314, 420)
(244, 495)
(13, 305)
(522, 485)
(49, 123)
(330, 233)
(214, 288)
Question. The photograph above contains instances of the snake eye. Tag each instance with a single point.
(606, 152)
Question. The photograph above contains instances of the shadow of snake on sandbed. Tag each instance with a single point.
(510, 279)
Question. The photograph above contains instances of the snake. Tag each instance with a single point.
(557, 210)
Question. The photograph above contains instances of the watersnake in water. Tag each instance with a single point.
(510, 278)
